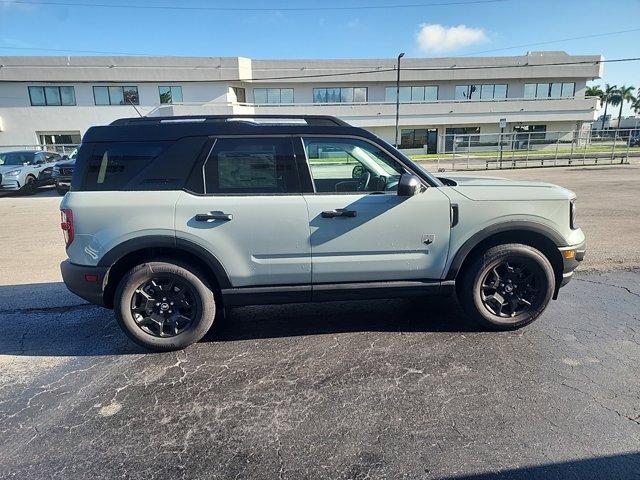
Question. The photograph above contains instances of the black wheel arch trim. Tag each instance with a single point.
(518, 225)
(165, 241)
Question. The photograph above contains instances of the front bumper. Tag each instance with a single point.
(85, 281)
(571, 258)
(9, 185)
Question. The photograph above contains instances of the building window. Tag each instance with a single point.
(467, 92)
(533, 132)
(241, 95)
(116, 95)
(52, 96)
(413, 93)
(419, 138)
(273, 95)
(549, 90)
(170, 94)
(493, 92)
(340, 95)
(463, 135)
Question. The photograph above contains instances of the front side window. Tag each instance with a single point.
(340, 95)
(251, 166)
(111, 166)
(52, 96)
(116, 95)
(170, 94)
(345, 165)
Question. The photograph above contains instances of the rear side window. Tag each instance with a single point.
(251, 166)
(111, 166)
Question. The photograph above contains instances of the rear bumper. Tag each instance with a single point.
(571, 258)
(79, 279)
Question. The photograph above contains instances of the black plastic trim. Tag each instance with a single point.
(162, 241)
(74, 278)
(508, 226)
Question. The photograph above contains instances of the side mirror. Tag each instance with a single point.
(408, 185)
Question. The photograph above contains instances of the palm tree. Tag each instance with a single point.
(594, 91)
(609, 92)
(623, 94)
(635, 106)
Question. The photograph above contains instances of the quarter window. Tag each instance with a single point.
(52, 96)
(251, 166)
(170, 94)
(116, 95)
(340, 165)
(340, 95)
(273, 95)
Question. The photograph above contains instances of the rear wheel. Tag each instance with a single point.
(507, 287)
(164, 306)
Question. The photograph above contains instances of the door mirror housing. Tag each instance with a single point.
(409, 185)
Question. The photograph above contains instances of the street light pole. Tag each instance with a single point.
(398, 98)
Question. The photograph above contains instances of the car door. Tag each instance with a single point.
(251, 216)
(360, 229)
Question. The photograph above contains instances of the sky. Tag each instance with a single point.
(306, 29)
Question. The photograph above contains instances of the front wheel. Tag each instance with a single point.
(507, 287)
(30, 185)
(164, 306)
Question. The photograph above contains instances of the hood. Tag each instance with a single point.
(66, 163)
(497, 188)
(8, 168)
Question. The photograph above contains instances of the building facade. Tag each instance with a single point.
(47, 100)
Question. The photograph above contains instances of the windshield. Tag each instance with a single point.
(16, 158)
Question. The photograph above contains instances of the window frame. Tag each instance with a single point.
(201, 168)
(326, 96)
(44, 95)
(266, 89)
(122, 88)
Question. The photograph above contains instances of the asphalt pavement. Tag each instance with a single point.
(381, 389)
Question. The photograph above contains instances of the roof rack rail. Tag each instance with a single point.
(315, 120)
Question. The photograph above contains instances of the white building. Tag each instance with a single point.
(47, 100)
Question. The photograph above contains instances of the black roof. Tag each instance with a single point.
(173, 128)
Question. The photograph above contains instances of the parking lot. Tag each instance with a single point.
(383, 389)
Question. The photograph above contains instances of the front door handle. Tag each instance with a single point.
(205, 217)
(338, 212)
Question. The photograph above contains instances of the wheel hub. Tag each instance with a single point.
(510, 288)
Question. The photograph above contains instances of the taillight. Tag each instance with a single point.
(66, 223)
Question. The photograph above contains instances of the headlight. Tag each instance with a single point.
(572, 214)
(12, 173)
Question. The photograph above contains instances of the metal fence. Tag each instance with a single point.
(533, 149)
(65, 149)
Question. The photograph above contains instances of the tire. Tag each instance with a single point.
(30, 185)
(496, 287)
(143, 327)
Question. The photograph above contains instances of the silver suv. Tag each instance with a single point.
(169, 221)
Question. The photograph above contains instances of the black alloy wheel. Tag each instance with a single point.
(510, 288)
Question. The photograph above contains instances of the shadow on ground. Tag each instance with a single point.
(45, 319)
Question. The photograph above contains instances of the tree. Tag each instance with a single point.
(595, 91)
(609, 91)
(635, 106)
(624, 94)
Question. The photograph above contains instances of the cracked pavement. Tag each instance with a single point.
(353, 390)
(383, 389)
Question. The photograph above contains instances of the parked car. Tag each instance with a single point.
(634, 141)
(26, 170)
(62, 172)
(171, 220)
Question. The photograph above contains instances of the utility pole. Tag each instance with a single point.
(398, 98)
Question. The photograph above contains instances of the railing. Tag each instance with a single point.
(532, 149)
(62, 149)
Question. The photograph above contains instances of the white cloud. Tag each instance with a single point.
(438, 38)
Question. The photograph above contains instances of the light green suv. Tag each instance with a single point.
(169, 221)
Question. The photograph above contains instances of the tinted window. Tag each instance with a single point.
(111, 166)
(251, 166)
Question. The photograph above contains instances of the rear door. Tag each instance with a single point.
(251, 214)
(361, 230)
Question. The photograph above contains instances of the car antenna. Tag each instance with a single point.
(134, 107)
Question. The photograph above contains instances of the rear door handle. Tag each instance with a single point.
(205, 217)
(338, 212)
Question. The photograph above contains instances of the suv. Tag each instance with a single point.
(63, 171)
(26, 170)
(169, 221)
